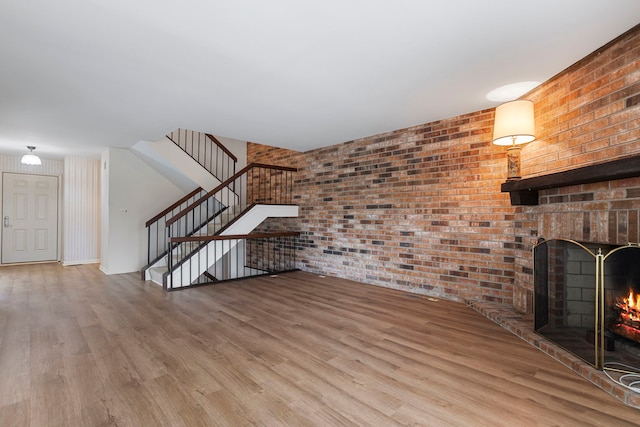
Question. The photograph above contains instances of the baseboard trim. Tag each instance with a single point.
(89, 261)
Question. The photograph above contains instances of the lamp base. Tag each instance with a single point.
(513, 163)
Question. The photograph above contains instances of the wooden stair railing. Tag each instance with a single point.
(191, 217)
(255, 183)
(157, 242)
(260, 254)
(219, 161)
(207, 150)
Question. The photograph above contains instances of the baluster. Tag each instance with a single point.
(149, 244)
(169, 260)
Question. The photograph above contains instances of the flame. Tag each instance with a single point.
(631, 306)
(628, 310)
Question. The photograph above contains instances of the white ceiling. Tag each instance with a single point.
(80, 75)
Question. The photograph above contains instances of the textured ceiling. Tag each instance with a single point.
(80, 75)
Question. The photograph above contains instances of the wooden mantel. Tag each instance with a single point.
(525, 191)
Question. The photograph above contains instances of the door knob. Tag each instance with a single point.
(6, 222)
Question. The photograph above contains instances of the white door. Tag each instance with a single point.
(29, 218)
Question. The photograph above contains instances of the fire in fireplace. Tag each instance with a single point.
(627, 322)
(587, 299)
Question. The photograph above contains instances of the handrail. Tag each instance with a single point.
(274, 167)
(219, 258)
(222, 147)
(207, 150)
(224, 185)
(173, 206)
(235, 236)
(157, 239)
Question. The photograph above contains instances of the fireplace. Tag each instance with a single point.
(587, 300)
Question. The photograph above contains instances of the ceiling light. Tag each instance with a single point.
(511, 91)
(30, 159)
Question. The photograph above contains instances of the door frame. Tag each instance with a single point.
(58, 213)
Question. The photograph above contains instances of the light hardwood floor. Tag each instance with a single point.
(79, 348)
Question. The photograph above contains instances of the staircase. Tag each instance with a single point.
(211, 236)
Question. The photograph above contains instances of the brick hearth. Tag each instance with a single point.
(522, 326)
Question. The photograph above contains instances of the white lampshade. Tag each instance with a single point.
(514, 123)
(30, 159)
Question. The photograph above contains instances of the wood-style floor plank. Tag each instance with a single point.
(78, 348)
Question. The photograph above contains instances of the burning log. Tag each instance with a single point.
(627, 331)
(628, 323)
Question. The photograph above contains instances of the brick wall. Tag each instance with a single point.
(417, 209)
(587, 114)
(420, 209)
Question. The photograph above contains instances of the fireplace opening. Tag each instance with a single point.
(627, 319)
(587, 300)
(621, 272)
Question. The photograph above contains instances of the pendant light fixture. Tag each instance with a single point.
(31, 159)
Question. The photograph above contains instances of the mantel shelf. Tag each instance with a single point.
(525, 191)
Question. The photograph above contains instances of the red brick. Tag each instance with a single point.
(447, 218)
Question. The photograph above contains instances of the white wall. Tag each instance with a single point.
(104, 211)
(81, 211)
(133, 192)
(238, 148)
(172, 162)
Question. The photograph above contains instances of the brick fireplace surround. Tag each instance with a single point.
(421, 209)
